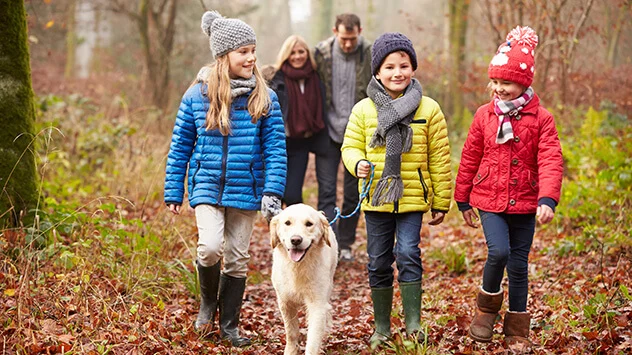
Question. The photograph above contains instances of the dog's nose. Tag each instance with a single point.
(296, 240)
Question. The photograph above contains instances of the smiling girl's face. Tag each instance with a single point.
(506, 90)
(241, 62)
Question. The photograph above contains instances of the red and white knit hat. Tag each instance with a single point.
(515, 59)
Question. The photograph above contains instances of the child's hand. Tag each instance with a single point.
(363, 169)
(545, 214)
(470, 218)
(175, 209)
(437, 218)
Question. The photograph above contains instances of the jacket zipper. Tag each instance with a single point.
(222, 180)
(423, 184)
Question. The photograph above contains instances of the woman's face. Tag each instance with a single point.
(241, 62)
(298, 56)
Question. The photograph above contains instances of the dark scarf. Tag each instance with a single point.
(394, 132)
(305, 109)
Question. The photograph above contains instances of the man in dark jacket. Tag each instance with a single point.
(344, 66)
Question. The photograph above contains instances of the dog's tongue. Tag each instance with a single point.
(297, 254)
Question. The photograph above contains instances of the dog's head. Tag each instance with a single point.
(297, 228)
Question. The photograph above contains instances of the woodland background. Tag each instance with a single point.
(97, 265)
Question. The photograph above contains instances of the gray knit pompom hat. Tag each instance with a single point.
(226, 34)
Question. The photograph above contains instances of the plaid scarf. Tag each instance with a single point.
(394, 132)
(507, 109)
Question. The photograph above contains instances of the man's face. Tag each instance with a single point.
(348, 40)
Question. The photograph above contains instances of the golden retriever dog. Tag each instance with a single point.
(304, 259)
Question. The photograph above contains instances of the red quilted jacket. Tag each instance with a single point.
(510, 177)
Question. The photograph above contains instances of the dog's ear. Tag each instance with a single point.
(274, 236)
(324, 225)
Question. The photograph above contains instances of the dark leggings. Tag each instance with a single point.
(509, 238)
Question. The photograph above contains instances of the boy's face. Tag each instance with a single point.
(506, 90)
(395, 73)
(241, 62)
(348, 40)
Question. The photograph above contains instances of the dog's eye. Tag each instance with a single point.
(309, 224)
(287, 223)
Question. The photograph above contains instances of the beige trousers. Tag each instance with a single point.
(224, 232)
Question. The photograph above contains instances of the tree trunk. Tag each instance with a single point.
(615, 32)
(323, 12)
(157, 31)
(458, 32)
(17, 167)
(71, 40)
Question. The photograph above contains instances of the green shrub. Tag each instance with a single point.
(597, 189)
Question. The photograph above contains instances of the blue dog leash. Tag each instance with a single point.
(366, 187)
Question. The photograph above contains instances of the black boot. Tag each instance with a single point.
(209, 283)
(231, 294)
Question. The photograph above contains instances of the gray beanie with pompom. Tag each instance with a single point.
(226, 34)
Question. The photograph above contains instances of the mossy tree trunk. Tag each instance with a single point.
(17, 116)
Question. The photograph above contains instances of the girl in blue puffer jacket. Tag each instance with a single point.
(229, 140)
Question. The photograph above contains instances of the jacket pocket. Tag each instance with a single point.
(197, 170)
(481, 175)
(423, 184)
(532, 180)
(419, 121)
(254, 180)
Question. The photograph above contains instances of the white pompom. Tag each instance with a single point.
(524, 36)
(207, 21)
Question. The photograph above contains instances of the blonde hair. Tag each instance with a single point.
(286, 50)
(220, 100)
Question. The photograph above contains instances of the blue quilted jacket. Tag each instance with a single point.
(228, 171)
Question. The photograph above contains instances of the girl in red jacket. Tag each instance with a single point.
(511, 171)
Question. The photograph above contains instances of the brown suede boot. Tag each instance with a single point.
(516, 329)
(482, 327)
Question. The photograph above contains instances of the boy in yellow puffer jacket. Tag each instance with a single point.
(403, 134)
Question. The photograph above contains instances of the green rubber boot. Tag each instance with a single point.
(411, 302)
(382, 305)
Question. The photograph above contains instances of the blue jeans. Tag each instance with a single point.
(509, 238)
(383, 229)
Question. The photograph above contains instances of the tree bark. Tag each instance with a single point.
(458, 31)
(156, 27)
(323, 11)
(71, 40)
(18, 174)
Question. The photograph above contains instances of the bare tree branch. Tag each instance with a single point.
(578, 27)
(488, 13)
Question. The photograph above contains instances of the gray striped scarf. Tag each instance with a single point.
(507, 109)
(394, 132)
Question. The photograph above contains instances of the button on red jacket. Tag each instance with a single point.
(513, 176)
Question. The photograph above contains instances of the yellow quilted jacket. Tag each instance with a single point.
(425, 168)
